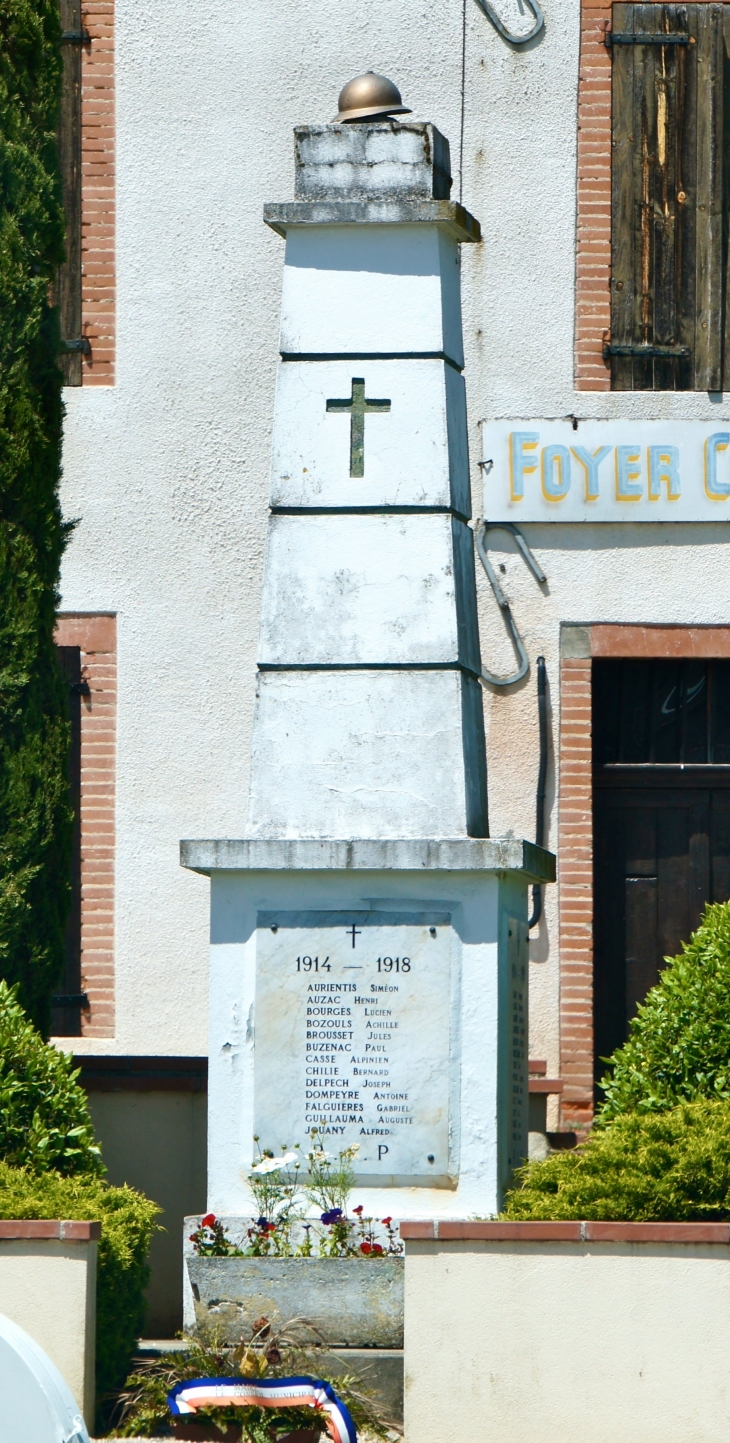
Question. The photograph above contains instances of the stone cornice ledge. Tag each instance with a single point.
(565, 1232)
(366, 854)
(48, 1230)
(458, 222)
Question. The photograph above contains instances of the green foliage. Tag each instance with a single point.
(661, 1167)
(44, 1114)
(127, 1224)
(35, 814)
(679, 1043)
(295, 1349)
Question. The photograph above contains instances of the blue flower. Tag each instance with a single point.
(262, 1222)
(332, 1216)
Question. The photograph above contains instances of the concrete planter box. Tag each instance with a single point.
(356, 1303)
(563, 1331)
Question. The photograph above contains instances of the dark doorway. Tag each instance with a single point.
(661, 823)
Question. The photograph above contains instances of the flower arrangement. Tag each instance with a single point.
(263, 1352)
(303, 1217)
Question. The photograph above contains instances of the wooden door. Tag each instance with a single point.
(661, 829)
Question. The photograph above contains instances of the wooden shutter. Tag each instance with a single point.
(69, 150)
(667, 279)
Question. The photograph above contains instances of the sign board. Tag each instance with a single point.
(353, 1036)
(606, 470)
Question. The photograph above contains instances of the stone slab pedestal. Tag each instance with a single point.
(417, 1053)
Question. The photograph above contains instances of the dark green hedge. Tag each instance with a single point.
(660, 1167)
(44, 1113)
(660, 1147)
(678, 1047)
(35, 815)
(127, 1224)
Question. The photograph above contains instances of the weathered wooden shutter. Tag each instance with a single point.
(69, 150)
(667, 279)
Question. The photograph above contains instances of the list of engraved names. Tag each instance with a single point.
(352, 1038)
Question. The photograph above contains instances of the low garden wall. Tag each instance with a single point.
(566, 1330)
(48, 1287)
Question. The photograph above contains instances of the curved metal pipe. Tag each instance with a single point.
(508, 35)
(541, 783)
(480, 533)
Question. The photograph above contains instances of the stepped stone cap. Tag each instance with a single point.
(367, 96)
(389, 160)
(385, 173)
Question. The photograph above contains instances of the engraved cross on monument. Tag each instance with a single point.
(359, 406)
(369, 952)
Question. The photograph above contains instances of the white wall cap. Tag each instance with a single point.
(447, 854)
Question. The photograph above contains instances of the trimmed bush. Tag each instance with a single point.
(645, 1167)
(127, 1224)
(35, 812)
(44, 1114)
(678, 1047)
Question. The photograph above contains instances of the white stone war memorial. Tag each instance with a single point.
(368, 939)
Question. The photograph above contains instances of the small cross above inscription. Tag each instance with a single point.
(359, 406)
(353, 932)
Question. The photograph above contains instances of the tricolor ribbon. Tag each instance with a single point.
(188, 1397)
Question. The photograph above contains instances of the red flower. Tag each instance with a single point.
(358, 1210)
(376, 1248)
(208, 1220)
(386, 1222)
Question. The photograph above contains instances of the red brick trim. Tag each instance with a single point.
(575, 837)
(96, 636)
(98, 274)
(566, 1232)
(575, 879)
(49, 1229)
(660, 641)
(545, 1085)
(593, 243)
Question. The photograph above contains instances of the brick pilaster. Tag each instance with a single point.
(96, 636)
(593, 253)
(575, 879)
(98, 298)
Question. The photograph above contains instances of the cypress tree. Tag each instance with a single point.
(35, 812)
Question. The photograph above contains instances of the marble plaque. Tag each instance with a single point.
(353, 1036)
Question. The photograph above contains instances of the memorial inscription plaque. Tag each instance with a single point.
(354, 1036)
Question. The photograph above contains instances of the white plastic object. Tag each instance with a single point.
(36, 1404)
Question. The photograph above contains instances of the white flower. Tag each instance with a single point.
(272, 1164)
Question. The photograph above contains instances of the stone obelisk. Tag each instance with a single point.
(369, 716)
(368, 941)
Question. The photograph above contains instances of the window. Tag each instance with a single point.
(661, 713)
(670, 191)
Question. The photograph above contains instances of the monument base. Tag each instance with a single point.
(375, 990)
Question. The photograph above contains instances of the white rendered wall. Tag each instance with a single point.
(559, 1341)
(169, 470)
(49, 1289)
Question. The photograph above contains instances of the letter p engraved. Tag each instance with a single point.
(382, 1149)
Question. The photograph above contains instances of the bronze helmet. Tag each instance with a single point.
(368, 97)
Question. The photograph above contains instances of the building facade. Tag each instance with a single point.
(597, 295)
